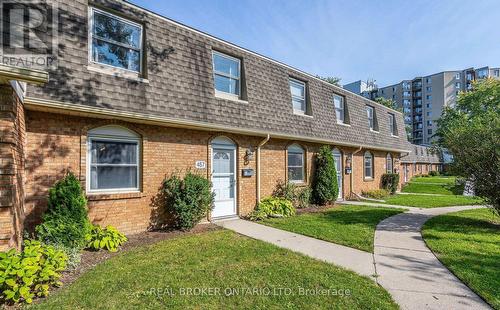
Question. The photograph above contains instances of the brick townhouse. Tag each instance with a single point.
(136, 97)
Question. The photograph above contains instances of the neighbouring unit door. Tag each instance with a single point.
(338, 166)
(224, 181)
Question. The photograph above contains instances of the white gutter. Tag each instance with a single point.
(258, 164)
(52, 106)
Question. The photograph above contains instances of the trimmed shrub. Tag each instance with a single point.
(66, 221)
(325, 187)
(188, 199)
(434, 173)
(299, 196)
(108, 238)
(303, 197)
(272, 207)
(390, 182)
(376, 194)
(30, 273)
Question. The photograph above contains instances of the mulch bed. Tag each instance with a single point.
(316, 208)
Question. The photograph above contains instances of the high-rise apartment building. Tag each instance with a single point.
(423, 98)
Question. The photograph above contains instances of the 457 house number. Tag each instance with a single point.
(200, 164)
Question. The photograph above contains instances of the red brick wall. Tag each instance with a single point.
(58, 143)
(12, 141)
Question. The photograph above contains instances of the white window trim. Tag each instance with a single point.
(303, 153)
(91, 11)
(389, 156)
(371, 176)
(371, 120)
(221, 93)
(303, 84)
(342, 101)
(106, 138)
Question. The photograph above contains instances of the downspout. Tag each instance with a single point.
(351, 179)
(266, 139)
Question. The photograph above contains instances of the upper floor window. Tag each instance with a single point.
(113, 157)
(295, 162)
(457, 85)
(457, 76)
(370, 113)
(227, 74)
(339, 104)
(428, 80)
(389, 165)
(428, 88)
(115, 41)
(496, 73)
(392, 124)
(368, 165)
(298, 91)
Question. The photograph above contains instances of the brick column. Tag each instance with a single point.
(12, 140)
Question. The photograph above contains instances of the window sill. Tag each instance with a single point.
(300, 113)
(96, 196)
(394, 136)
(344, 124)
(368, 179)
(375, 131)
(116, 72)
(229, 97)
(299, 183)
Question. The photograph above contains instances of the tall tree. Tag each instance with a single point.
(471, 133)
(330, 79)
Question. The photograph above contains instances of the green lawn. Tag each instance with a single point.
(436, 179)
(352, 226)
(468, 243)
(424, 201)
(441, 189)
(148, 278)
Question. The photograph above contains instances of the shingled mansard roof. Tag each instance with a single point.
(177, 87)
(421, 154)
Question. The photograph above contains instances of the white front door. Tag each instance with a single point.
(224, 180)
(338, 166)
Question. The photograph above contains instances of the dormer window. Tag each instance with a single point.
(392, 124)
(298, 91)
(370, 113)
(227, 74)
(340, 109)
(115, 41)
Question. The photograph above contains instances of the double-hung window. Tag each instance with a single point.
(338, 102)
(295, 162)
(113, 160)
(227, 74)
(368, 165)
(370, 113)
(389, 165)
(298, 91)
(115, 41)
(392, 124)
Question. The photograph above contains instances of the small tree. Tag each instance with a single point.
(325, 187)
(330, 79)
(388, 103)
(66, 221)
(471, 133)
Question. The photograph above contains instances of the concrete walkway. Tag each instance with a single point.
(401, 262)
(378, 204)
(349, 258)
(410, 272)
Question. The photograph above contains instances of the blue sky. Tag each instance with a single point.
(385, 40)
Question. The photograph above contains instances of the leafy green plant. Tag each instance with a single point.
(376, 194)
(188, 199)
(390, 182)
(434, 173)
(325, 187)
(272, 207)
(299, 196)
(30, 273)
(74, 255)
(65, 221)
(108, 238)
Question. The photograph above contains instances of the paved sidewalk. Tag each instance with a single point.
(411, 273)
(378, 204)
(349, 258)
